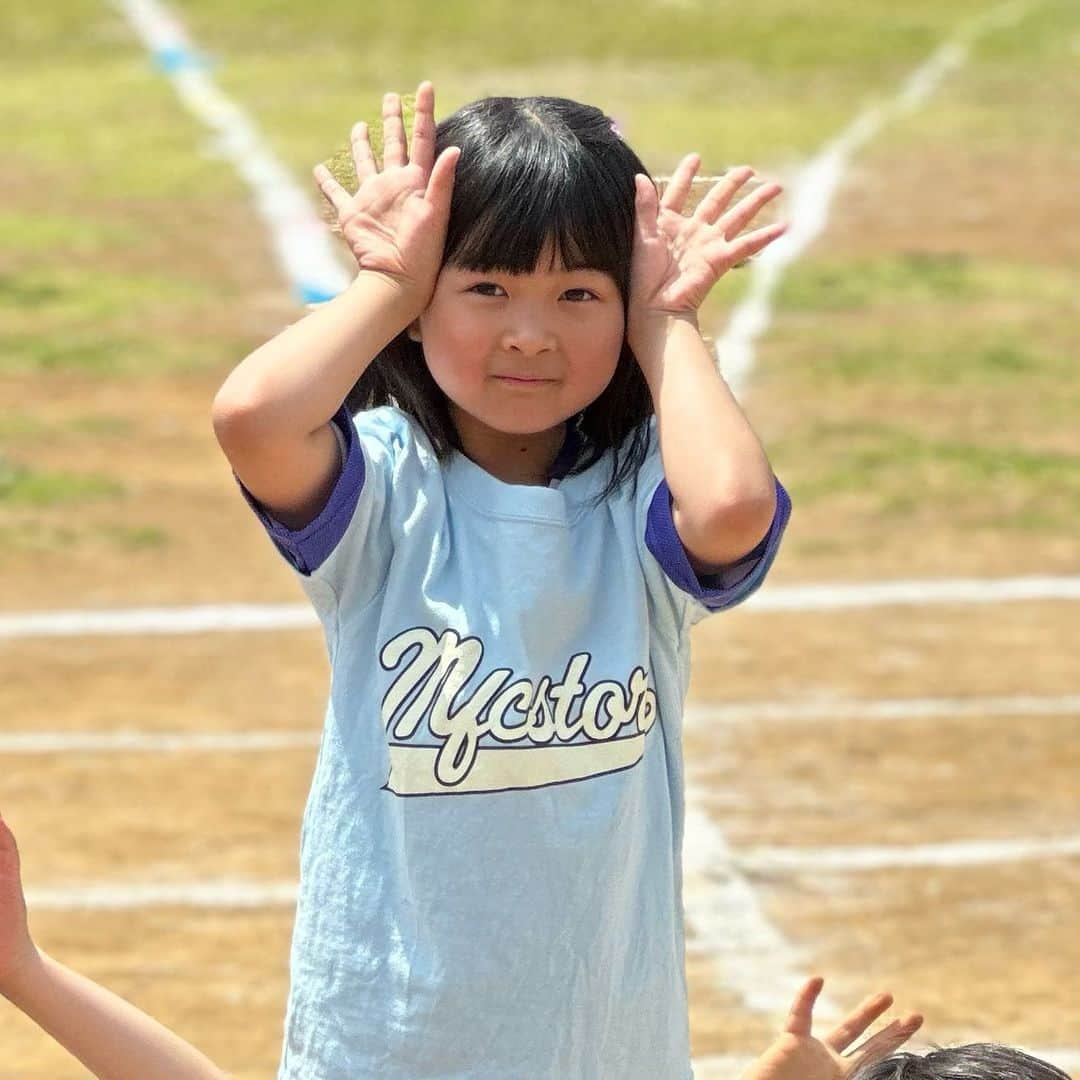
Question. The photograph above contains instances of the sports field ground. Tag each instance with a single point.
(885, 793)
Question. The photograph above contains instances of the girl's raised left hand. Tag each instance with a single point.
(16, 947)
(676, 259)
(797, 1055)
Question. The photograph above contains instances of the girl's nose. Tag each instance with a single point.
(527, 334)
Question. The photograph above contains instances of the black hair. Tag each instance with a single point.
(532, 171)
(976, 1061)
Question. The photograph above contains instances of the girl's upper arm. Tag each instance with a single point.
(292, 478)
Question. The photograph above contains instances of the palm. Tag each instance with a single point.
(678, 259)
(390, 227)
(804, 1057)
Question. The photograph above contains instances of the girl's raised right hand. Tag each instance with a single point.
(395, 224)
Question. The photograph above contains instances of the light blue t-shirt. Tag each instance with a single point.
(491, 851)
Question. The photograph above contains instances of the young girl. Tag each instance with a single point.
(117, 1041)
(509, 477)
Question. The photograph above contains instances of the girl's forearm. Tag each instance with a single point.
(713, 460)
(110, 1036)
(295, 382)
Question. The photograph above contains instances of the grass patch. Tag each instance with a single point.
(935, 358)
(901, 472)
(97, 321)
(21, 426)
(43, 234)
(41, 537)
(918, 277)
(21, 486)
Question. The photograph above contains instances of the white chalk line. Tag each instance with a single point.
(122, 742)
(889, 709)
(732, 928)
(214, 618)
(126, 742)
(301, 240)
(221, 893)
(752, 957)
(951, 856)
(811, 189)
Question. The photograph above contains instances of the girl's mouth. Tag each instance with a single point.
(521, 382)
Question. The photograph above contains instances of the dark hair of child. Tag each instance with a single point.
(976, 1061)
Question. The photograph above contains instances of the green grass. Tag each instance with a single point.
(947, 360)
(38, 537)
(900, 469)
(826, 283)
(22, 486)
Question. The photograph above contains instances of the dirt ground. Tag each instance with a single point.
(983, 951)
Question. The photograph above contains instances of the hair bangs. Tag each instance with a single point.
(538, 195)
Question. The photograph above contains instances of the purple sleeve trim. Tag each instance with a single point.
(736, 581)
(308, 548)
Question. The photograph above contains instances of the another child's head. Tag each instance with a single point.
(543, 211)
(976, 1061)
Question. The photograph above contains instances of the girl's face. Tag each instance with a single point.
(563, 328)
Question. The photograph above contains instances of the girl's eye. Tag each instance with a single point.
(480, 286)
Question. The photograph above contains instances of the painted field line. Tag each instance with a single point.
(829, 597)
(952, 856)
(811, 189)
(301, 240)
(210, 618)
(752, 957)
(887, 709)
(122, 742)
(130, 896)
(125, 742)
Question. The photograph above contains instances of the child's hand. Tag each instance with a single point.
(16, 947)
(395, 223)
(797, 1055)
(676, 259)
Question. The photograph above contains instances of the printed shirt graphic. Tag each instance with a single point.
(491, 851)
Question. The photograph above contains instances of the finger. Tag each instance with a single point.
(440, 185)
(801, 1018)
(422, 150)
(745, 209)
(646, 205)
(857, 1021)
(362, 155)
(735, 252)
(886, 1041)
(679, 185)
(393, 131)
(720, 194)
(337, 195)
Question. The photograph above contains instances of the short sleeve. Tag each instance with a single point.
(348, 544)
(705, 594)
